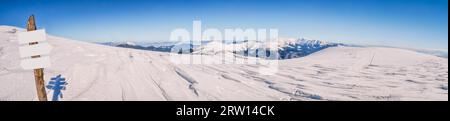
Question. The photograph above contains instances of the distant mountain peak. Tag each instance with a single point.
(130, 43)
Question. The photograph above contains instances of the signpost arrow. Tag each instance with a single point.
(35, 63)
(31, 36)
(33, 50)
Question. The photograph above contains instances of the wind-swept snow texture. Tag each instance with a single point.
(97, 72)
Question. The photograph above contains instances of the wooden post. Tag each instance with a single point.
(38, 73)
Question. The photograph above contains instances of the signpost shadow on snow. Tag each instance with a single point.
(57, 84)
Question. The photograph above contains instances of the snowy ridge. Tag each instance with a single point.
(287, 48)
(97, 72)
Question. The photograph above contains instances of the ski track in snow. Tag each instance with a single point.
(97, 72)
(189, 79)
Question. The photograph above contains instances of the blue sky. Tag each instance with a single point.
(403, 23)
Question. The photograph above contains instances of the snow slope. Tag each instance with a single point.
(97, 72)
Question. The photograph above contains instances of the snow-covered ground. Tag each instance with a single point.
(97, 72)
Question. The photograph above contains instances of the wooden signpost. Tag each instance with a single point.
(38, 73)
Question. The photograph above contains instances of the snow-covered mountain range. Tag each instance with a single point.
(287, 48)
(97, 72)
